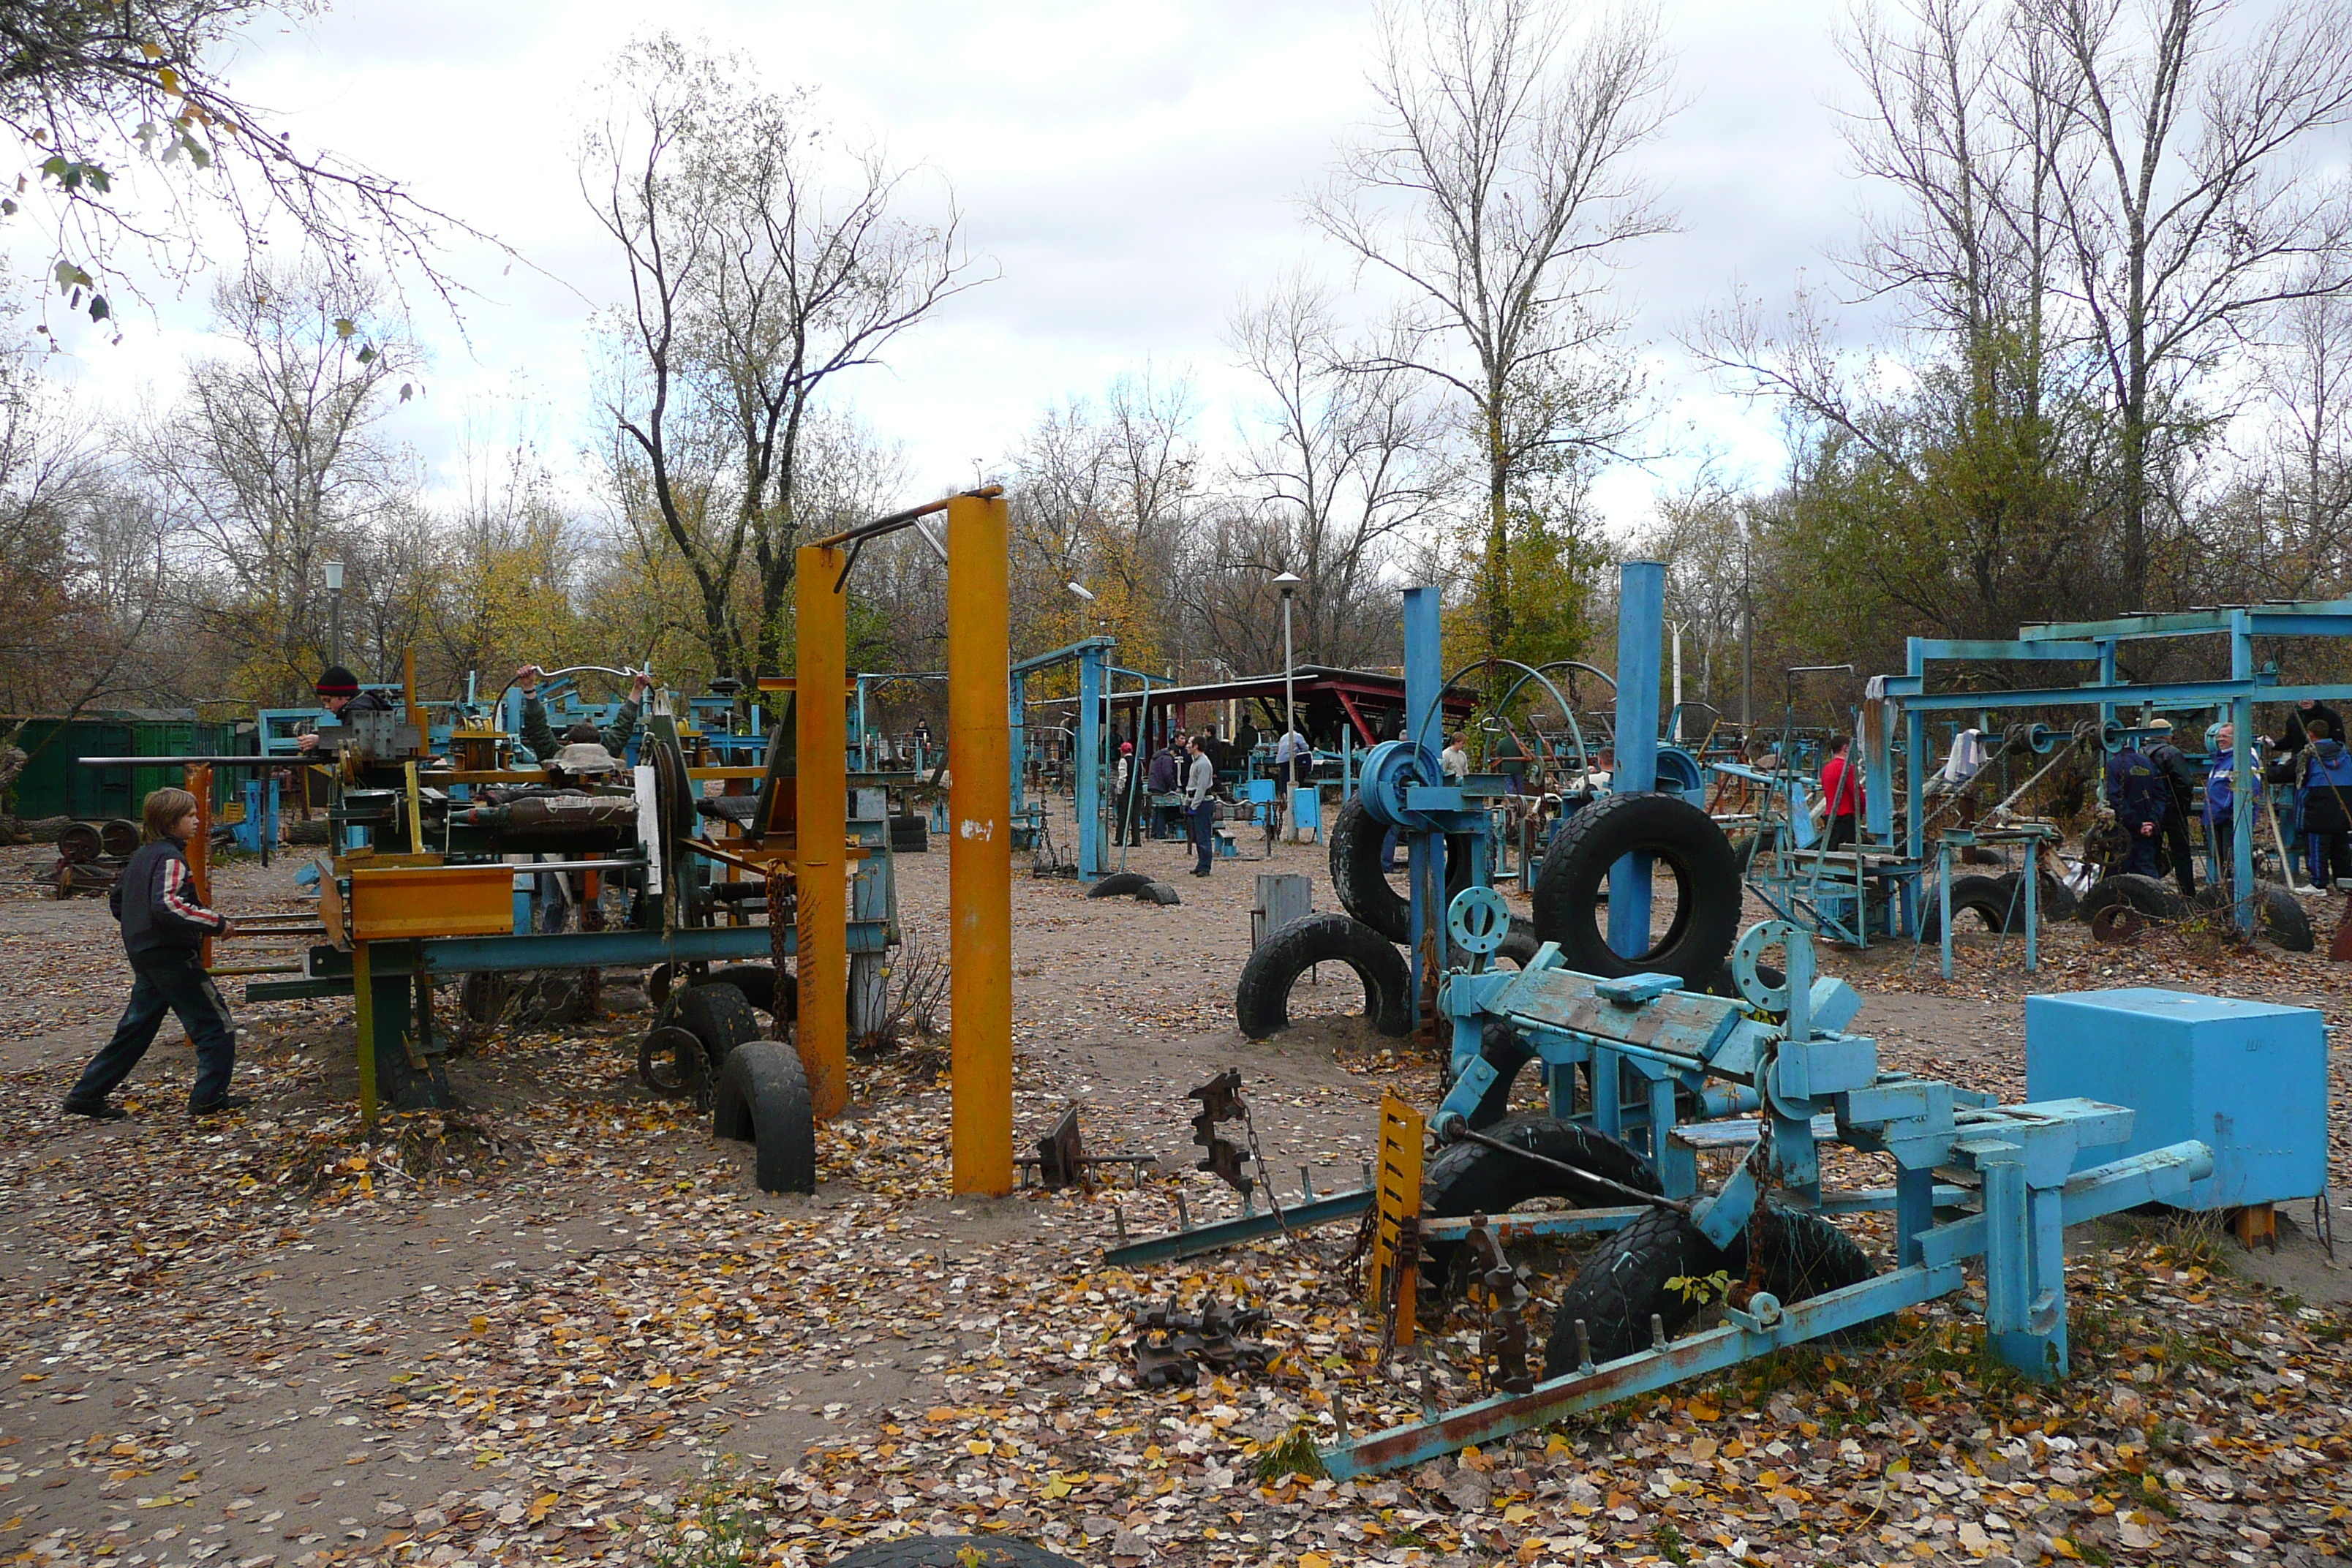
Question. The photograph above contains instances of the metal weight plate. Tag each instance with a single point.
(1478, 920)
(1753, 944)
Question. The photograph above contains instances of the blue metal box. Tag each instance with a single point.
(2250, 1078)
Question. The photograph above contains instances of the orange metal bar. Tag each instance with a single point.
(821, 733)
(198, 782)
(980, 843)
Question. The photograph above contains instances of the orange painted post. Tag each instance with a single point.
(821, 735)
(198, 782)
(980, 843)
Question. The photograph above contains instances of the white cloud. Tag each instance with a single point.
(1132, 166)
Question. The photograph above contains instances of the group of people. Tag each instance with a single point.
(2155, 792)
(1187, 766)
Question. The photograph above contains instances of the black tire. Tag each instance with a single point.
(1262, 999)
(2280, 917)
(1518, 949)
(763, 1098)
(1987, 897)
(672, 1062)
(954, 1552)
(2151, 896)
(1623, 1283)
(1120, 885)
(719, 1015)
(758, 984)
(1805, 1254)
(1468, 1178)
(1680, 835)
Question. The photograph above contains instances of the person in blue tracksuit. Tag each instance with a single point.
(2138, 794)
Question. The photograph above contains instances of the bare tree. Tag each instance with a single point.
(1335, 466)
(762, 265)
(2194, 211)
(101, 93)
(272, 455)
(1496, 188)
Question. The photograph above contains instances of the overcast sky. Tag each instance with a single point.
(1132, 167)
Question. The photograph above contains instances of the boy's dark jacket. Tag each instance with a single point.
(155, 900)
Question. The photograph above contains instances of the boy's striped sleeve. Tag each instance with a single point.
(178, 897)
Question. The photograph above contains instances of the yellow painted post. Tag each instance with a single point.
(980, 843)
(363, 1010)
(821, 736)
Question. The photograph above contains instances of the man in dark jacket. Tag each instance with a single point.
(2323, 783)
(2184, 789)
(163, 931)
(339, 693)
(2138, 794)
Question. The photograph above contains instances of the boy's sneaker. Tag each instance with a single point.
(225, 1103)
(95, 1110)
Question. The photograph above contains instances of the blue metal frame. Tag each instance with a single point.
(1800, 1075)
(2085, 641)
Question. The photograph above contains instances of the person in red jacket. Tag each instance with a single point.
(1842, 788)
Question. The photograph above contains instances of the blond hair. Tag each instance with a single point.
(162, 812)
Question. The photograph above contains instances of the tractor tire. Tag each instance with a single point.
(1518, 949)
(2279, 918)
(1364, 890)
(717, 1014)
(758, 984)
(763, 1098)
(1989, 899)
(1623, 1283)
(1120, 885)
(1364, 887)
(2151, 896)
(954, 1552)
(1262, 999)
(1468, 1178)
(1576, 871)
(1805, 1254)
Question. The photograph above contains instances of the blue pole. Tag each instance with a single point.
(1422, 679)
(1089, 762)
(1641, 626)
(2245, 777)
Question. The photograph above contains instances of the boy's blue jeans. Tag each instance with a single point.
(166, 983)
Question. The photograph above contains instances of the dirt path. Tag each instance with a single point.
(517, 1336)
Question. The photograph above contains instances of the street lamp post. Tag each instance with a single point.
(1288, 583)
(334, 612)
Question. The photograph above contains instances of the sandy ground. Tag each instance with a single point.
(521, 1333)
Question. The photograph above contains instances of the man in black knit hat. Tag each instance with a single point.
(339, 693)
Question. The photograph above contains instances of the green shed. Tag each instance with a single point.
(55, 784)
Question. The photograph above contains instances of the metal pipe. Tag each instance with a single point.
(899, 520)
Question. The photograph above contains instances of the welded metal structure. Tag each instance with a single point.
(2098, 643)
(1619, 1054)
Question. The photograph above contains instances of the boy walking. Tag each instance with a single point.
(164, 929)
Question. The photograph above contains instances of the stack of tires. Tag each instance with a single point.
(706, 1043)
